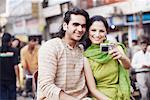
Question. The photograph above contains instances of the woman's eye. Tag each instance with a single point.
(101, 31)
(93, 30)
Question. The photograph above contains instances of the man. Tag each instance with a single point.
(61, 75)
(141, 64)
(135, 47)
(29, 61)
(8, 69)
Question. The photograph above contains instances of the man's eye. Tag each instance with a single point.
(76, 24)
(83, 26)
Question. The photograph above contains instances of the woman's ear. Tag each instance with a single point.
(65, 26)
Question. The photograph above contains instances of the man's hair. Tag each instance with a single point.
(135, 41)
(144, 39)
(32, 38)
(67, 18)
(6, 39)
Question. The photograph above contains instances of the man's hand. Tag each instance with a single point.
(64, 96)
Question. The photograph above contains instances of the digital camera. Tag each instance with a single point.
(104, 47)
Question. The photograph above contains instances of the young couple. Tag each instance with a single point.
(66, 72)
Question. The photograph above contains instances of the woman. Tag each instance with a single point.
(108, 68)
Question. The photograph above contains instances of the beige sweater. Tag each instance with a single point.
(60, 68)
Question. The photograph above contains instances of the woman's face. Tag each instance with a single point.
(15, 43)
(97, 32)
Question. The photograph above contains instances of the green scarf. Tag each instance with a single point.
(94, 53)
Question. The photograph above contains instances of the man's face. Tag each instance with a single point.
(32, 43)
(76, 27)
(143, 46)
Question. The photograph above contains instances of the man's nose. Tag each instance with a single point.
(79, 28)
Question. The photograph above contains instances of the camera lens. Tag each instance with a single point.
(105, 49)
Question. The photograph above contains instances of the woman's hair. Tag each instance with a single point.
(6, 41)
(98, 18)
(67, 18)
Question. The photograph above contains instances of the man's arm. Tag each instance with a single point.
(23, 61)
(16, 67)
(47, 60)
(64, 96)
(16, 62)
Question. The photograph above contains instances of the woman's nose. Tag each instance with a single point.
(96, 34)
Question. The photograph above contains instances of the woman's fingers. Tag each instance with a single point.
(115, 54)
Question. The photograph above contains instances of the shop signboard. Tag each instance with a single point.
(131, 19)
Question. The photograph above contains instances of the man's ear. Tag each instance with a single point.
(65, 26)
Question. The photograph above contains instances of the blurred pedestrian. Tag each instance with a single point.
(8, 69)
(61, 72)
(141, 64)
(29, 61)
(107, 62)
(135, 47)
(16, 43)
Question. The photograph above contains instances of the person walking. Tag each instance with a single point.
(29, 61)
(8, 69)
(141, 64)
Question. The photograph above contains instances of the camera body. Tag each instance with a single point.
(105, 47)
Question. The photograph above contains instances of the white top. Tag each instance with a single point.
(139, 59)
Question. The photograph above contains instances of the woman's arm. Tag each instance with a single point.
(91, 82)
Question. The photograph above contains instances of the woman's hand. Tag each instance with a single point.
(116, 54)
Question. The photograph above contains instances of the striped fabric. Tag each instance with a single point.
(60, 68)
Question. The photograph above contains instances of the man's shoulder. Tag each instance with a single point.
(24, 49)
(54, 40)
(52, 43)
(138, 53)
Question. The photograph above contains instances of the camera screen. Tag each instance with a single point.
(105, 49)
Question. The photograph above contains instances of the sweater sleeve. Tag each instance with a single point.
(47, 60)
